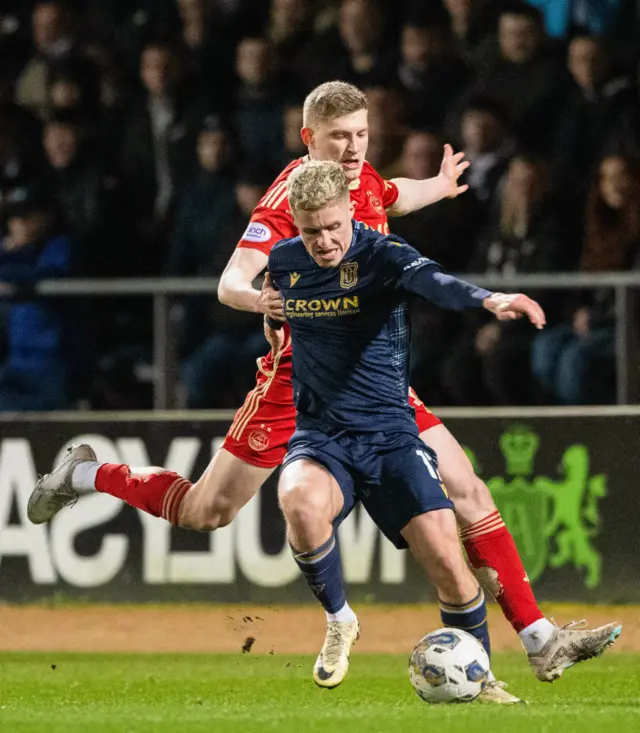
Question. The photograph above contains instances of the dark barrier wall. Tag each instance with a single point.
(567, 487)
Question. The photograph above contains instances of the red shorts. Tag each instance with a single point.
(262, 427)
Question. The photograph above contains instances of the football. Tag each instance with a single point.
(448, 665)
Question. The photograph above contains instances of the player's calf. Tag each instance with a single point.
(433, 539)
(488, 543)
(311, 499)
(210, 503)
(223, 489)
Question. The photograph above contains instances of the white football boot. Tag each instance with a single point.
(54, 490)
(569, 645)
(494, 692)
(332, 664)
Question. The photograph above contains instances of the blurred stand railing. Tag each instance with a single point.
(164, 290)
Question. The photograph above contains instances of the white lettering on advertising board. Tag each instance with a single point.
(233, 552)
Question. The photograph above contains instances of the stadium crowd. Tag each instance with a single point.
(136, 136)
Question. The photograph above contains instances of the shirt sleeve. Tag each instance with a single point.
(390, 193)
(408, 270)
(266, 228)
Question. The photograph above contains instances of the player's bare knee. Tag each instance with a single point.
(304, 506)
(201, 512)
(222, 513)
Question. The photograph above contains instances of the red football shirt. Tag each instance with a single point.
(271, 220)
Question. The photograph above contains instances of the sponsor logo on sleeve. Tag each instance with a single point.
(257, 232)
(416, 263)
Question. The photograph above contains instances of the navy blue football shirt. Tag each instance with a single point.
(350, 328)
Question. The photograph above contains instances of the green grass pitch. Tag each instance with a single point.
(159, 693)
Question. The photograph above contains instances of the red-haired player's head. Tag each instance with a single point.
(335, 126)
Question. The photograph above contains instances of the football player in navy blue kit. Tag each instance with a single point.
(346, 291)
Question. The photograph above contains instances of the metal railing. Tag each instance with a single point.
(163, 290)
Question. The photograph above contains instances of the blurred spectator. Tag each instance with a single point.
(472, 21)
(430, 73)
(288, 30)
(205, 206)
(293, 147)
(156, 151)
(73, 86)
(355, 51)
(527, 233)
(220, 370)
(576, 363)
(484, 133)
(20, 152)
(194, 15)
(204, 213)
(259, 105)
(37, 373)
(209, 47)
(14, 42)
(387, 129)
(125, 26)
(90, 197)
(252, 181)
(54, 40)
(490, 363)
(446, 233)
(563, 16)
(599, 99)
(528, 81)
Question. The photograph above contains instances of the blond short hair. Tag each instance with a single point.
(330, 100)
(316, 184)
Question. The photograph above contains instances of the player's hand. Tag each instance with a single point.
(275, 339)
(269, 301)
(511, 307)
(451, 168)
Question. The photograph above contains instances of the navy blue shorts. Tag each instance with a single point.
(394, 476)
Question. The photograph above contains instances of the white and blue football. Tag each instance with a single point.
(448, 665)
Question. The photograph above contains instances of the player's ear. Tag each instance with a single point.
(307, 136)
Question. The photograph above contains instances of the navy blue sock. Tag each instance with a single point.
(470, 617)
(322, 570)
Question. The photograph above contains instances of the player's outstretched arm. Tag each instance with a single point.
(236, 284)
(413, 195)
(424, 277)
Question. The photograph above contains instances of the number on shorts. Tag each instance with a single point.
(426, 459)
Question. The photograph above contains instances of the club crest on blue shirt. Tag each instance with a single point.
(348, 274)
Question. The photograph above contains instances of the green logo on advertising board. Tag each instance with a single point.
(552, 521)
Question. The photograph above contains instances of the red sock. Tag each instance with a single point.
(490, 547)
(160, 494)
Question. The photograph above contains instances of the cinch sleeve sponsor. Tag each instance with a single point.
(266, 229)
